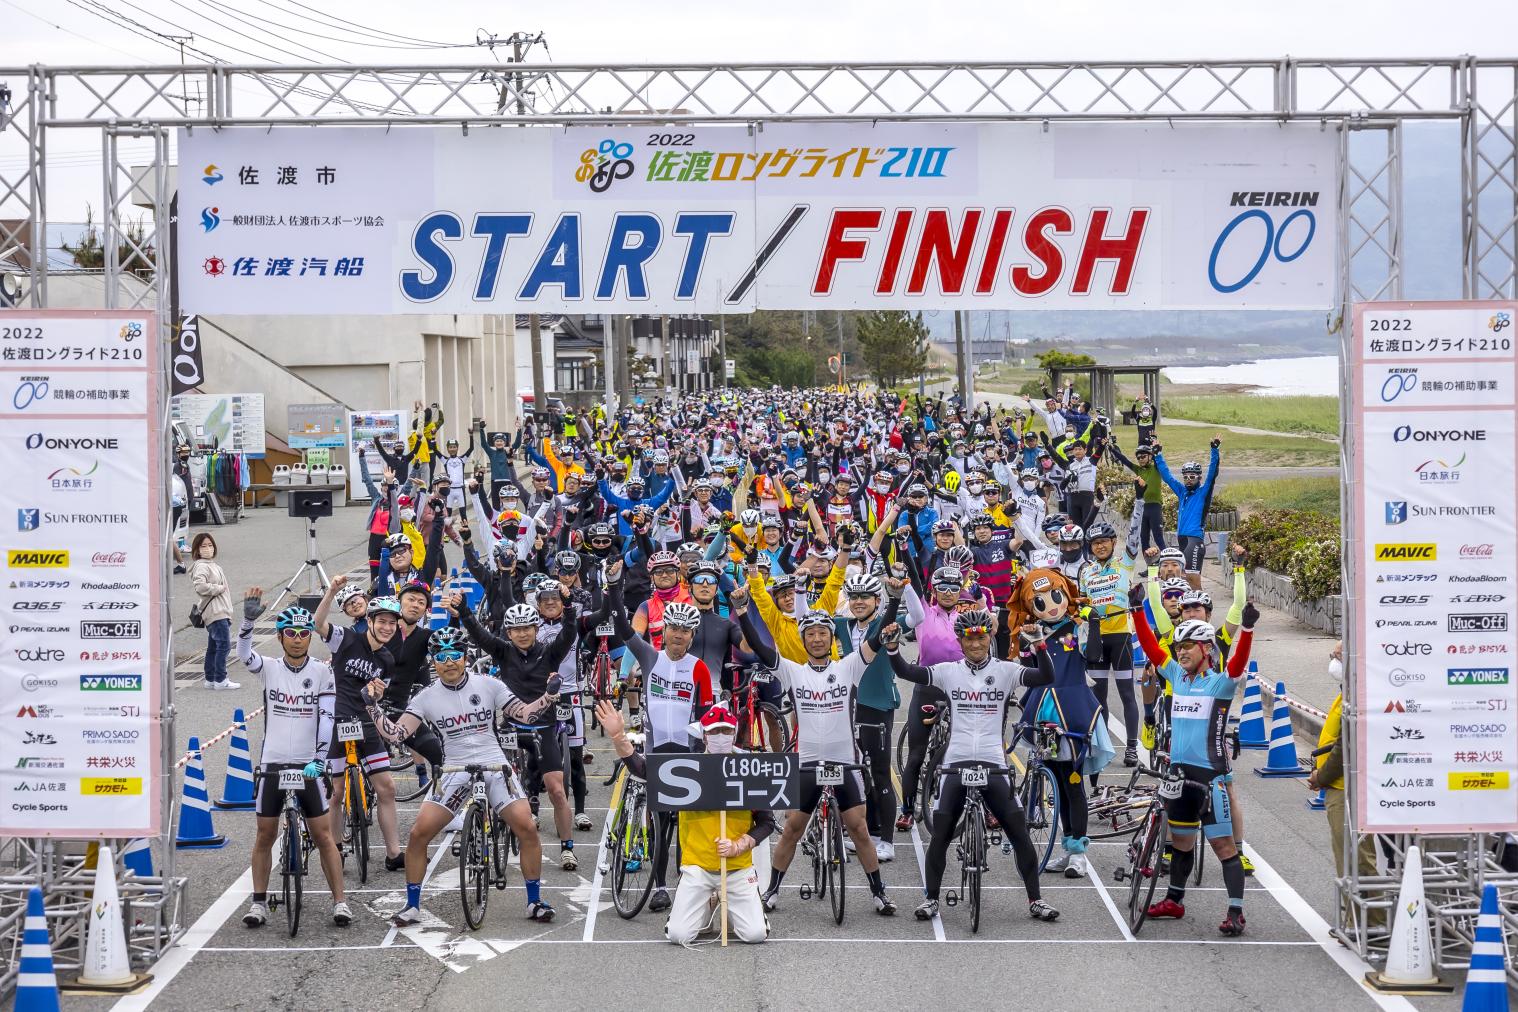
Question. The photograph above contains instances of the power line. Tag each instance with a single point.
(353, 24)
(70, 31)
(358, 40)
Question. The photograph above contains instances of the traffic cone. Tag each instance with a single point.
(468, 586)
(137, 856)
(1486, 984)
(237, 790)
(1252, 714)
(439, 616)
(1281, 760)
(195, 827)
(36, 985)
(1410, 957)
(106, 968)
(1319, 801)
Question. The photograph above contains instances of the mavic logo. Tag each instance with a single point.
(1423, 552)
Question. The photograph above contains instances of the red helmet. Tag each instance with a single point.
(663, 560)
(718, 717)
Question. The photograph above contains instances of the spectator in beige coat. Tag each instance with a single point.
(214, 599)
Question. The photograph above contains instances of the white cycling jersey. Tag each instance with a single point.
(296, 721)
(824, 714)
(978, 701)
(569, 667)
(466, 715)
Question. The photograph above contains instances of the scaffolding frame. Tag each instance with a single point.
(1368, 101)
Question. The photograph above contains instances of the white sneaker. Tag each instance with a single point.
(885, 851)
(1077, 866)
(848, 843)
(407, 917)
(582, 821)
(1059, 862)
(257, 915)
(567, 860)
(342, 916)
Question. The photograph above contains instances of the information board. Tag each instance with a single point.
(233, 423)
(1433, 561)
(317, 425)
(737, 781)
(80, 661)
(363, 427)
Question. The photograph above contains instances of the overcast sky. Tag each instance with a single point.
(614, 31)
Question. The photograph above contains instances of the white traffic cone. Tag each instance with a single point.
(1410, 958)
(106, 968)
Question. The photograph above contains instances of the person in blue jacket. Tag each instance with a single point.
(653, 502)
(1195, 495)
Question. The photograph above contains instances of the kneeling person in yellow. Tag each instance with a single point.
(702, 848)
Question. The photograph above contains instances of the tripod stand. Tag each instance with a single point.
(316, 575)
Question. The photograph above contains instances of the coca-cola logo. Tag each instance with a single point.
(108, 559)
(1476, 551)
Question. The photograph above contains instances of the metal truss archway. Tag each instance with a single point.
(125, 109)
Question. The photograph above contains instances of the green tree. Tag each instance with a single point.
(893, 344)
(1054, 359)
(89, 252)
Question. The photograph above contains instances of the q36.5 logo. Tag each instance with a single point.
(1283, 241)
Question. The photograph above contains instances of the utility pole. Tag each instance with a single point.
(539, 395)
(667, 373)
(959, 358)
(722, 344)
(609, 360)
(838, 318)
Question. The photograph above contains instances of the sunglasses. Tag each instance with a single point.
(448, 655)
(300, 634)
(703, 579)
(861, 597)
(601, 542)
(1172, 596)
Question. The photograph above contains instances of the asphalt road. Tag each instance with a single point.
(1285, 961)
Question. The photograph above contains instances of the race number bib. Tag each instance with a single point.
(291, 780)
(829, 774)
(1171, 788)
(974, 776)
(479, 790)
(606, 628)
(564, 712)
(350, 730)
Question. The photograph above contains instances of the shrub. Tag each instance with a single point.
(1301, 544)
(1314, 568)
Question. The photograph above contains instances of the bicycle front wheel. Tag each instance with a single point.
(358, 822)
(1144, 873)
(413, 791)
(474, 876)
(500, 851)
(900, 758)
(975, 862)
(290, 866)
(1040, 798)
(632, 873)
(835, 863)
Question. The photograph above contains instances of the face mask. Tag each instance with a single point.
(902, 468)
(1069, 554)
(719, 744)
(207, 552)
(1336, 669)
(1029, 486)
(408, 515)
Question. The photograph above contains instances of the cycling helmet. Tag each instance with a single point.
(972, 620)
(1101, 530)
(772, 520)
(749, 518)
(959, 557)
(387, 605)
(663, 560)
(699, 484)
(661, 457)
(980, 518)
(862, 583)
(413, 587)
(1071, 533)
(680, 615)
(917, 490)
(1195, 631)
(521, 615)
(532, 581)
(814, 619)
(1191, 467)
(549, 588)
(1196, 597)
(688, 548)
(598, 530)
(706, 567)
(447, 639)
(540, 474)
(711, 530)
(948, 578)
(1059, 518)
(294, 617)
(993, 486)
(1171, 555)
(347, 593)
(785, 581)
(398, 540)
(1051, 528)
(944, 526)
(1029, 474)
(1174, 585)
(567, 561)
(618, 468)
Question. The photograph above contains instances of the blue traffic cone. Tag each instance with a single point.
(470, 587)
(1252, 714)
(137, 856)
(1486, 984)
(1319, 801)
(439, 616)
(195, 827)
(237, 790)
(36, 984)
(1281, 760)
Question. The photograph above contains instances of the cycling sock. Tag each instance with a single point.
(775, 876)
(414, 894)
(534, 889)
(1181, 864)
(1149, 713)
(566, 845)
(876, 885)
(260, 897)
(1233, 879)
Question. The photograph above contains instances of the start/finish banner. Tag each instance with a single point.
(728, 219)
(1435, 532)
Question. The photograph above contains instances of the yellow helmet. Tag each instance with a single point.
(951, 481)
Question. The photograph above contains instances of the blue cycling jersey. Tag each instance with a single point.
(1199, 716)
(1193, 503)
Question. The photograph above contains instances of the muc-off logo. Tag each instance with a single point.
(1230, 268)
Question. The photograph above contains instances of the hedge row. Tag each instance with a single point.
(1301, 544)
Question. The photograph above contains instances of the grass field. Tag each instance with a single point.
(1185, 442)
(1318, 415)
(1320, 494)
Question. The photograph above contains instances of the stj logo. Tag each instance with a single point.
(1283, 242)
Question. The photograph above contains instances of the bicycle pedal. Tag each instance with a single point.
(456, 848)
(951, 898)
(1118, 874)
(806, 892)
(1006, 847)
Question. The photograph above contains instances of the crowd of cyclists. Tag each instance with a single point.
(813, 571)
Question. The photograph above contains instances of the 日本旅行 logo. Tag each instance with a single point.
(1439, 472)
(1407, 552)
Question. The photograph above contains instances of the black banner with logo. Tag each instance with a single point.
(189, 370)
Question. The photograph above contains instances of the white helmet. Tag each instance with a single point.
(520, 615)
(680, 615)
(1195, 631)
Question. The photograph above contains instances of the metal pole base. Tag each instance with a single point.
(78, 986)
(1387, 985)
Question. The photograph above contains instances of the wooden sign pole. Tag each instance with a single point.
(722, 833)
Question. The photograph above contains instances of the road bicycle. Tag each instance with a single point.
(1038, 793)
(483, 843)
(630, 845)
(357, 793)
(295, 844)
(822, 840)
(402, 758)
(1146, 850)
(970, 846)
(762, 726)
(939, 717)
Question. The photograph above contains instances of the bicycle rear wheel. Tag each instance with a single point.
(929, 785)
(975, 853)
(500, 851)
(474, 875)
(358, 822)
(836, 858)
(773, 730)
(291, 872)
(1144, 871)
(1040, 800)
(632, 873)
(411, 793)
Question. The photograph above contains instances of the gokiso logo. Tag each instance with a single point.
(33, 683)
(1279, 235)
(1401, 676)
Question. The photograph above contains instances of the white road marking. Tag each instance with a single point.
(442, 848)
(922, 868)
(594, 905)
(1101, 889)
(194, 940)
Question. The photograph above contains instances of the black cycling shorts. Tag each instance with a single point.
(1111, 652)
(1192, 549)
(850, 793)
(372, 750)
(269, 800)
(1204, 804)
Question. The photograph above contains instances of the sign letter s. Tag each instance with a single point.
(673, 778)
